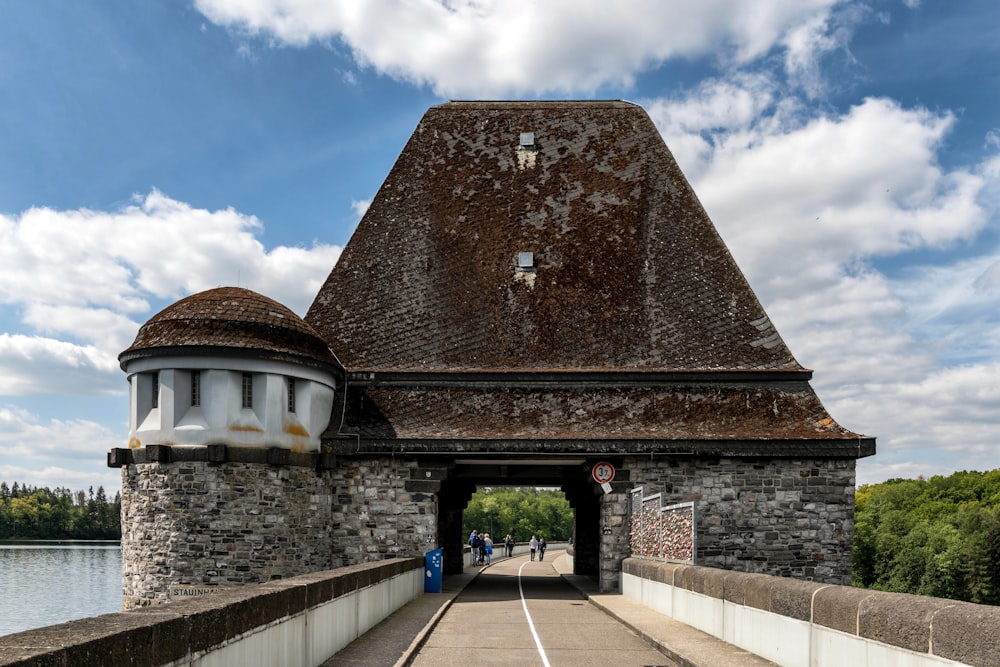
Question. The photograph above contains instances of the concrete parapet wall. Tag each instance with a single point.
(797, 623)
(299, 621)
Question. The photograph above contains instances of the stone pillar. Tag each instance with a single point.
(453, 498)
(586, 530)
(614, 539)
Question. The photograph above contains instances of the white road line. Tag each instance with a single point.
(524, 603)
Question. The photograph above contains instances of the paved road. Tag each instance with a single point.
(522, 613)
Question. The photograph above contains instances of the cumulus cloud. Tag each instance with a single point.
(821, 192)
(55, 453)
(81, 282)
(483, 48)
(815, 207)
(37, 365)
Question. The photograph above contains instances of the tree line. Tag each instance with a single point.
(937, 536)
(28, 512)
(520, 511)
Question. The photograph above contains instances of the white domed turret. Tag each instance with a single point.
(229, 366)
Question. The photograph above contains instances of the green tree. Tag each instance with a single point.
(938, 537)
(40, 513)
(522, 512)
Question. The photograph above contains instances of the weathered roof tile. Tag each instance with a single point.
(226, 319)
(629, 271)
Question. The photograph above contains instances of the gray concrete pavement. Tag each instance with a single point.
(481, 609)
(523, 613)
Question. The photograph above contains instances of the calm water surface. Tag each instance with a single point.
(44, 583)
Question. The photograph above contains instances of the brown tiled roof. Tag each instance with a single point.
(228, 319)
(631, 325)
(629, 272)
(681, 411)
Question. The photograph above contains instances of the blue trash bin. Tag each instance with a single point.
(433, 566)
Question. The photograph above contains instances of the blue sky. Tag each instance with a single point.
(847, 152)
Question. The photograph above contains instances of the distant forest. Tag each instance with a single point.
(937, 536)
(42, 514)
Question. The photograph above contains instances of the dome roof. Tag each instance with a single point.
(229, 319)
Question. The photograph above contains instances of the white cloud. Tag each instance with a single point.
(57, 453)
(816, 207)
(360, 207)
(483, 48)
(948, 421)
(36, 365)
(88, 279)
(823, 192)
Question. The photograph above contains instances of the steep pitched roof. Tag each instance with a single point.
(628, 328)
(628, 271)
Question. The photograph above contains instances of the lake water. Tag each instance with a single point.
(44, 583)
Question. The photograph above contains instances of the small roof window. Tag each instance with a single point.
(527, 139)
(525, 260)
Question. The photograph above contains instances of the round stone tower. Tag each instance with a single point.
(224, 481)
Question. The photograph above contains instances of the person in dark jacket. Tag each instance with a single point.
(475, 545)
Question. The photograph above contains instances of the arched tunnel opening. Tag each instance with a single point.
(567, 476)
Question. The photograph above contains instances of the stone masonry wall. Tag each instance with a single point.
(374, 516)
(220, 524)
(785, 517)
(614, 539)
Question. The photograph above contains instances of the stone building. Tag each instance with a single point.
(534, 289)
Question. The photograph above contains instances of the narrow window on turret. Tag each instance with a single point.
(156, 390)
(195, 388)
(291, 394)
(248, 390)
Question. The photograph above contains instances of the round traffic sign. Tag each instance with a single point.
(603, 472)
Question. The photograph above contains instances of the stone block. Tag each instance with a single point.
(158, 453)
(793, 598)
(112, 639)
(684, 577)
(836, 607)
(422, 486)
(899, 619)
(757, 592)
(968, 633)
(708, 581)
(735, 587)
(119, 457)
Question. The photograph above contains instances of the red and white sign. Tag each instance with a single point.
(603, 472)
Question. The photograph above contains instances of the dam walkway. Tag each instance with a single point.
(516, 611)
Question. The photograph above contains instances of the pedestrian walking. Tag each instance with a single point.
(475, 546)
(508, 542)
(541, 548)
(533, 546)
(488, 547)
